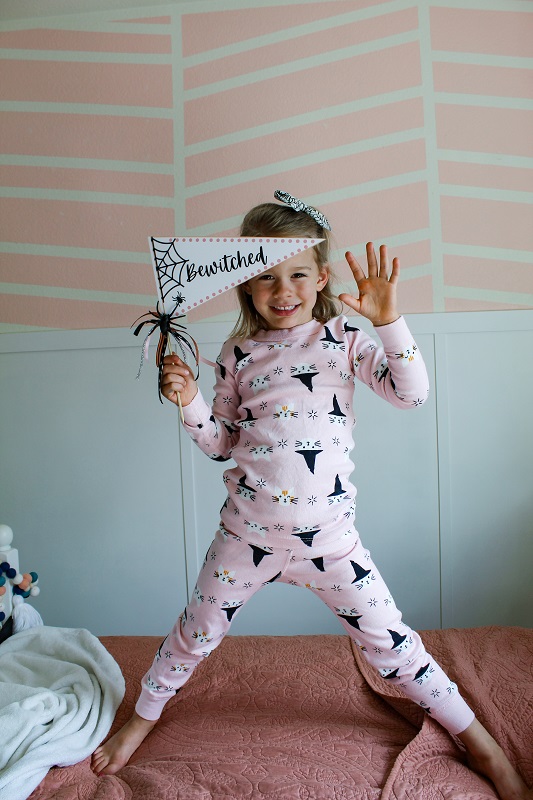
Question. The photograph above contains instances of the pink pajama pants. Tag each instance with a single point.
(350, 585)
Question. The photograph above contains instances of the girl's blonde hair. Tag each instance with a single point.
(273, 219)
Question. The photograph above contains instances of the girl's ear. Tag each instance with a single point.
(246, 288)
(323, 278)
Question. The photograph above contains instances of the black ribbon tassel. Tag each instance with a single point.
(168, 328)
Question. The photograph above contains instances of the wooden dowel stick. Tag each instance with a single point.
(171, 352)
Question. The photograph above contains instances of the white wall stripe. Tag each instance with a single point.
(502, 255)
(483, 100)
(87, 295)
(92, 23)
(300, 65)
(88, 253)
(90, 109)
(490, 159)
(288, 124)
(431, 150)
(316, 158)
(332, 196)
(288, 34)
(178, 128)
(86, 196)
(84, 57)
(486, 193)
(58, 162)
(490, 296)
(482, 59)
(485, 5)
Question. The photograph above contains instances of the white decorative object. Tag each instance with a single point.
(15, 587)
(24, 615)
(6, 537)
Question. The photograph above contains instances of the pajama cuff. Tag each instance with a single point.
(455, 716)
(150, 704)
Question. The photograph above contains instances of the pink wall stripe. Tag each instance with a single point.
(367, 75)
(204, 32)
(411, 255)
(46, 312)
(379, 215)
(87, 136)
(108, 84)
(495, 177)
(416, 296)
(337, 173)
(304, 139)
(90, 41)
(88, 180)
(79, 273)
(475, 79)
(487, 223)
(504, 33)
(485, 129)
(301, 47)
(487, 274)
(79, 224)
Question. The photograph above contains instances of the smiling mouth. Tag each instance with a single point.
(284, 311)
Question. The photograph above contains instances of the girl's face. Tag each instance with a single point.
(285, 295)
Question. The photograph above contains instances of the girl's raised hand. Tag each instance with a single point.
(377, 292)
(177, 378)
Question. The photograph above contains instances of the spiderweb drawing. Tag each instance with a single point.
(169, 265)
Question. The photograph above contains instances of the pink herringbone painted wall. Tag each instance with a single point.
(405, 122)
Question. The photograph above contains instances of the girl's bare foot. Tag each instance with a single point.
(115, 753)
(485, 756)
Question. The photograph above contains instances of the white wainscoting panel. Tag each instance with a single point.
(115, 507)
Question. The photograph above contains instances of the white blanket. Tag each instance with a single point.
(59, 692)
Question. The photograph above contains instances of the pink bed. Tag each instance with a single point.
(303, 717)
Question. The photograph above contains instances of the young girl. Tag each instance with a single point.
(283, 412)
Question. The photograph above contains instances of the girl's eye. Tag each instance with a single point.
(299, 275)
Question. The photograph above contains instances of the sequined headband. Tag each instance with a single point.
(299, 205)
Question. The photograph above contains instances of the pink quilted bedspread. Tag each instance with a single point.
(304, 718)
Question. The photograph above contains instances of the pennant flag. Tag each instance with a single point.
(190, 271)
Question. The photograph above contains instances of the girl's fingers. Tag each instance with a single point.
(172, 358)
(372, 260)
(356, 268)
(373, 270)
(395, 274)
(172, 365)
(383, 261)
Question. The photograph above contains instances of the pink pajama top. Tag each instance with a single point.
(283, 411)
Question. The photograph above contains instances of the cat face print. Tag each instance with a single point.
(408, 355)
(225, 575)
(284, 497)
(285, 411)
(255, 527)
(259, 383)
(262, 451)
(202, 636)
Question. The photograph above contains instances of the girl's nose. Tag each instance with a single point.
(282, 287)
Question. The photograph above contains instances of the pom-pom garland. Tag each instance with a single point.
(24, 585)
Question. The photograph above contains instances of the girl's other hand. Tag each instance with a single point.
(377, 292)
(177, 378)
